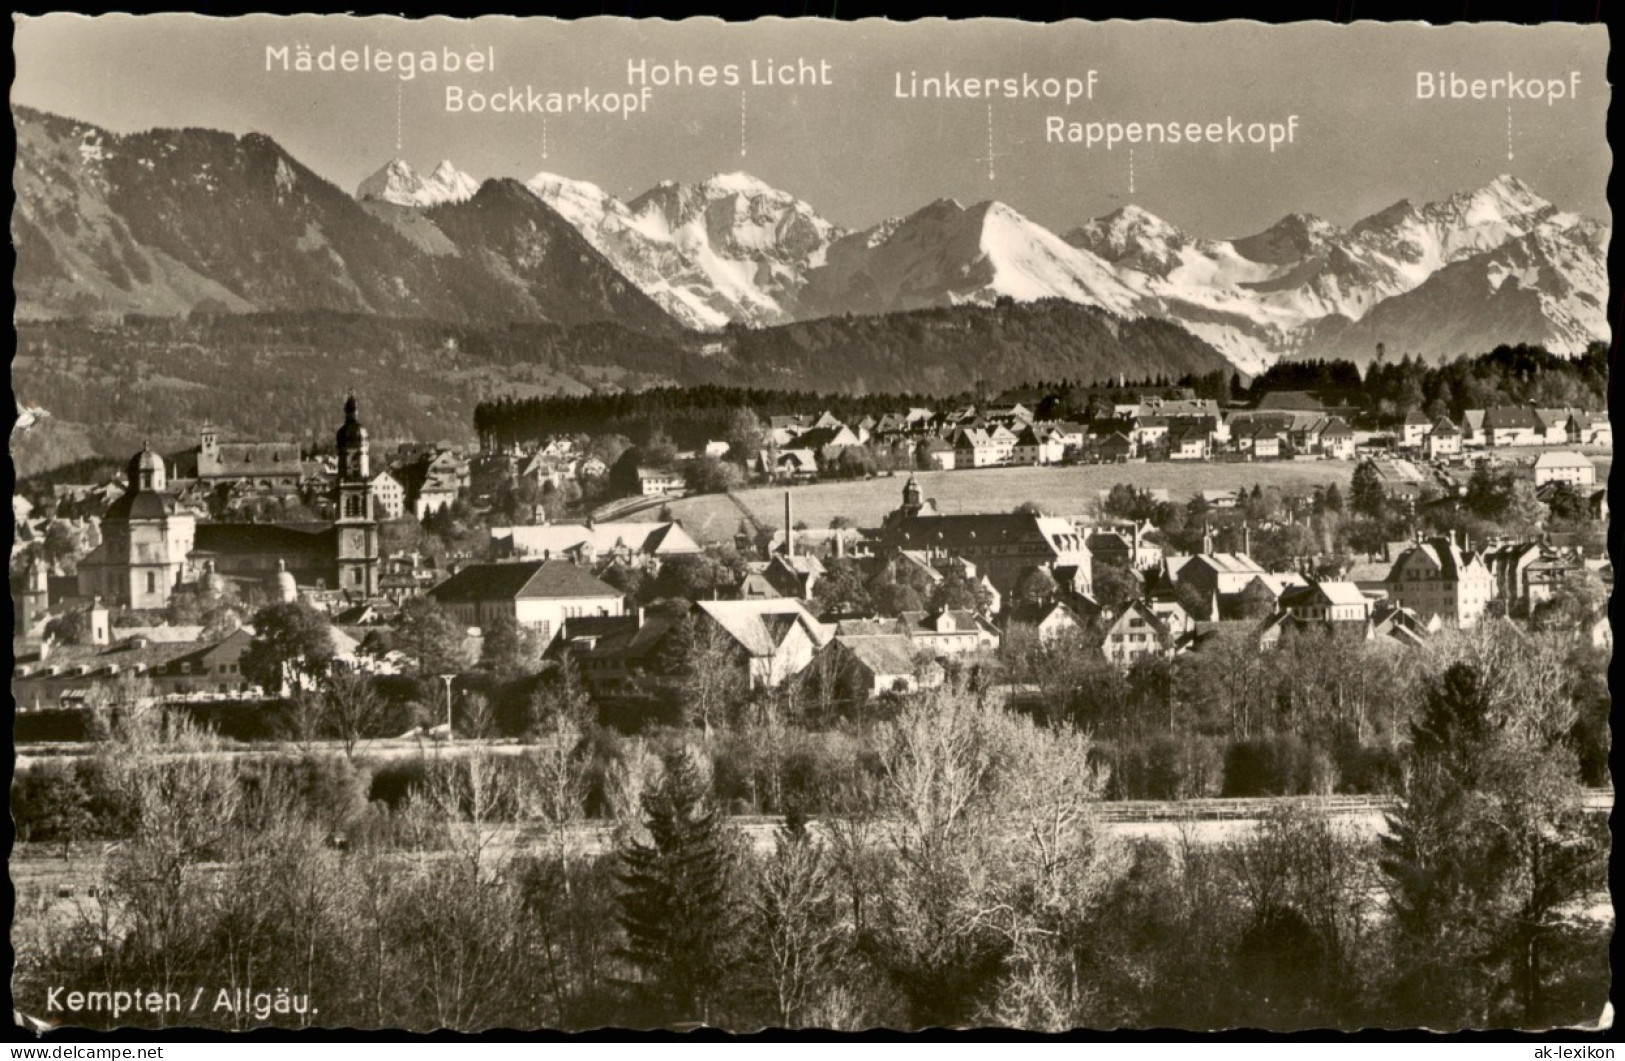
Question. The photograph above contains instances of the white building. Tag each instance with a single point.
(539, 594)
(388, 496)
(1565, 466)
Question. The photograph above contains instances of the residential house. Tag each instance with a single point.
(793, 575)
(1204, 635)
(1074, 437)
(1337, 440)
(827, 441)
(613, 653)
(867, 666)
(388, 496)
(755, 585)
(1214, 574)
(1150, 432)
(1395, 623)
(1472, 428)
(1512, 425)
(935, 453)
(1011, 416)
(773, 639)
(1050, 620)
(1507, 562)
(1443, 440)
(652, 482)
(1589, 429)
(948, 633)
(1114, 448)
(1038, 445)
(1003, 441)
(1122, 547)
(1413, 429)
(1189, 442)
(430, 481)
(1327, 602)
(919, 419)
(789, 465)
(974, 448)
(1565, 466)
(540, 594)
(1266, 444)
(1544, 578)
(1437, 578)
(1553, 426)
(1135, 634)
(1173, 616)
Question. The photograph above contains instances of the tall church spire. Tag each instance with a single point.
(357, 524)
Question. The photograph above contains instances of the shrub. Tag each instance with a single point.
(1164, 767)
(1370, 769)
(1271, 766)
(394, 779)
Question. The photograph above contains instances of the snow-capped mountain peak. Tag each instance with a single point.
(1131, 237)
(459, 184)
(737, 183)
(945, 253)
(397, 182)
(582, 203)
(730, 248)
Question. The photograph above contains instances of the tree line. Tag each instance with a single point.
(972, 884)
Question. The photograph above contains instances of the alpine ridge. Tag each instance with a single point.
(166, 222)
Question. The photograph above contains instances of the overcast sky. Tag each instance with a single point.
(853, 150)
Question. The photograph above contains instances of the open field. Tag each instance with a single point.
(1069, 490)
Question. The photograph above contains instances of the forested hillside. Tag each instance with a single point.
(158, 379)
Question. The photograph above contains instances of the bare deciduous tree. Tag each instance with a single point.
(354, 711)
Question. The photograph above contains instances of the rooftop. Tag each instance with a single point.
(521, 580)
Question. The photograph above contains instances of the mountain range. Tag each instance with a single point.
(1499, 264)
(170, 222)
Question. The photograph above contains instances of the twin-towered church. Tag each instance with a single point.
(151, 548)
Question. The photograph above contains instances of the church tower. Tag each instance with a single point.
(912, 500)
(147, 541)
(357, 527)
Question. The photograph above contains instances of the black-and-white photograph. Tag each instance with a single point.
(800, 524)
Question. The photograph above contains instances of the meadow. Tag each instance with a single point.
(1063, 491)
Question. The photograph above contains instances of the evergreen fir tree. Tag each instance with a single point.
(1488, 843)
(674, 908)
(1366, 493)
